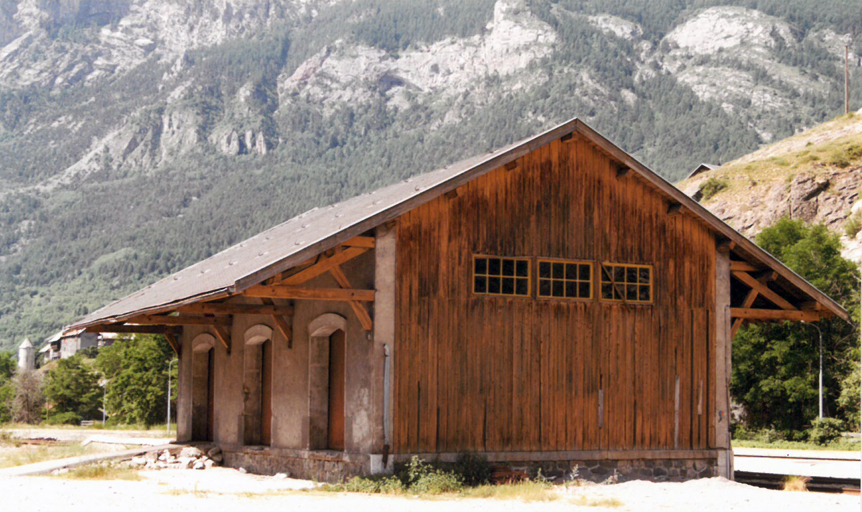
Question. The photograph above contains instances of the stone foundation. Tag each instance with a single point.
(320, 466)
(330, 466)
(655, 470)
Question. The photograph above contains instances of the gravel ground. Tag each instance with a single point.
(225, 490)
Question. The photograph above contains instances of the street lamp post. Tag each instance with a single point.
(820, 378)
(169, 394)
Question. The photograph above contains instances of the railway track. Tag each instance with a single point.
(833, 472)
(814, 484)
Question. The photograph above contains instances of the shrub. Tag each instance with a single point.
(711, 187)
(824, 431)
(473, 469)
(376, 484)
(64, 418)
(853, 224)
(424, 478)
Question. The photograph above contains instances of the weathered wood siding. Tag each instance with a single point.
(525, 374)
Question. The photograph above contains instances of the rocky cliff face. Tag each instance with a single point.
(815, 176)
(728, 56)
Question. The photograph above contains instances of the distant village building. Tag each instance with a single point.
(26, 356)
(702, 168)
(63, 345)
(551, 304)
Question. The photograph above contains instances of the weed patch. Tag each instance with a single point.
(587, 501)
(101, 472)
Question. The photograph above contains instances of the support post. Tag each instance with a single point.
(385, 348)
(722, 362)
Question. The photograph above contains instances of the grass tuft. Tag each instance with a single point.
(587, 501)
(527, 491)
(796, 483)
(101, 472)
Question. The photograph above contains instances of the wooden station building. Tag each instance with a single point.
(547, 304)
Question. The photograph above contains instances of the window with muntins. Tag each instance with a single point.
(501, 276)
(561, 279)
(626, 283)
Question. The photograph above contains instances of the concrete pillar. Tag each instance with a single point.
(384, 332)
(722, 363)
(26, 357)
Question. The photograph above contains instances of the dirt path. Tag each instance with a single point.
(225, 490)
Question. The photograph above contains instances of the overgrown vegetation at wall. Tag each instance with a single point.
(468, 477)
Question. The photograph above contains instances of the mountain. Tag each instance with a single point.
(815, 176)
(139, 136)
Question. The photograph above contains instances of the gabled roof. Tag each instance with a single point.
(311, 233)
(701, 168)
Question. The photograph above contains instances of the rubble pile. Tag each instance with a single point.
(189, 457)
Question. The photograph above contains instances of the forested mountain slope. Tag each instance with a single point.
(139, 136)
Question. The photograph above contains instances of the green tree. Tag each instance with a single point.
(137, 371)
(72, 390)
(775, 366)
(8, 365)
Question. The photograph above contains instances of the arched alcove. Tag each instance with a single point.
(257, 385)
(203, 387)
(326, 374)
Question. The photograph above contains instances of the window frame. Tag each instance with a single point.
(624, 300)
(529, 276)
(591, 281)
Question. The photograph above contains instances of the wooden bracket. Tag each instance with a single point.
(567, 137)
(452, 194)
(359, 309)
(511, 166)
(172, 341)
(178, 320)
(340, 256)
(774, 314)
(743, 266)
(762, 289)
(283, 326)
(674, 209)
(214, 308)
(366, 242)
(223, 335)
(747, 303)
(293, 292)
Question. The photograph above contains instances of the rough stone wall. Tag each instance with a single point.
(656, 470)
(307, 465)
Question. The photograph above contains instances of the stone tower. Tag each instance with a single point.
(26, 357)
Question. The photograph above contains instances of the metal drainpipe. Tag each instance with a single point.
(387, 427)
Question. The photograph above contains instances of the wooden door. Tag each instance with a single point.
(210, 395)
(266, 394)
(336, 390)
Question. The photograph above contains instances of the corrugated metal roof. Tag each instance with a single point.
(292, 242)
